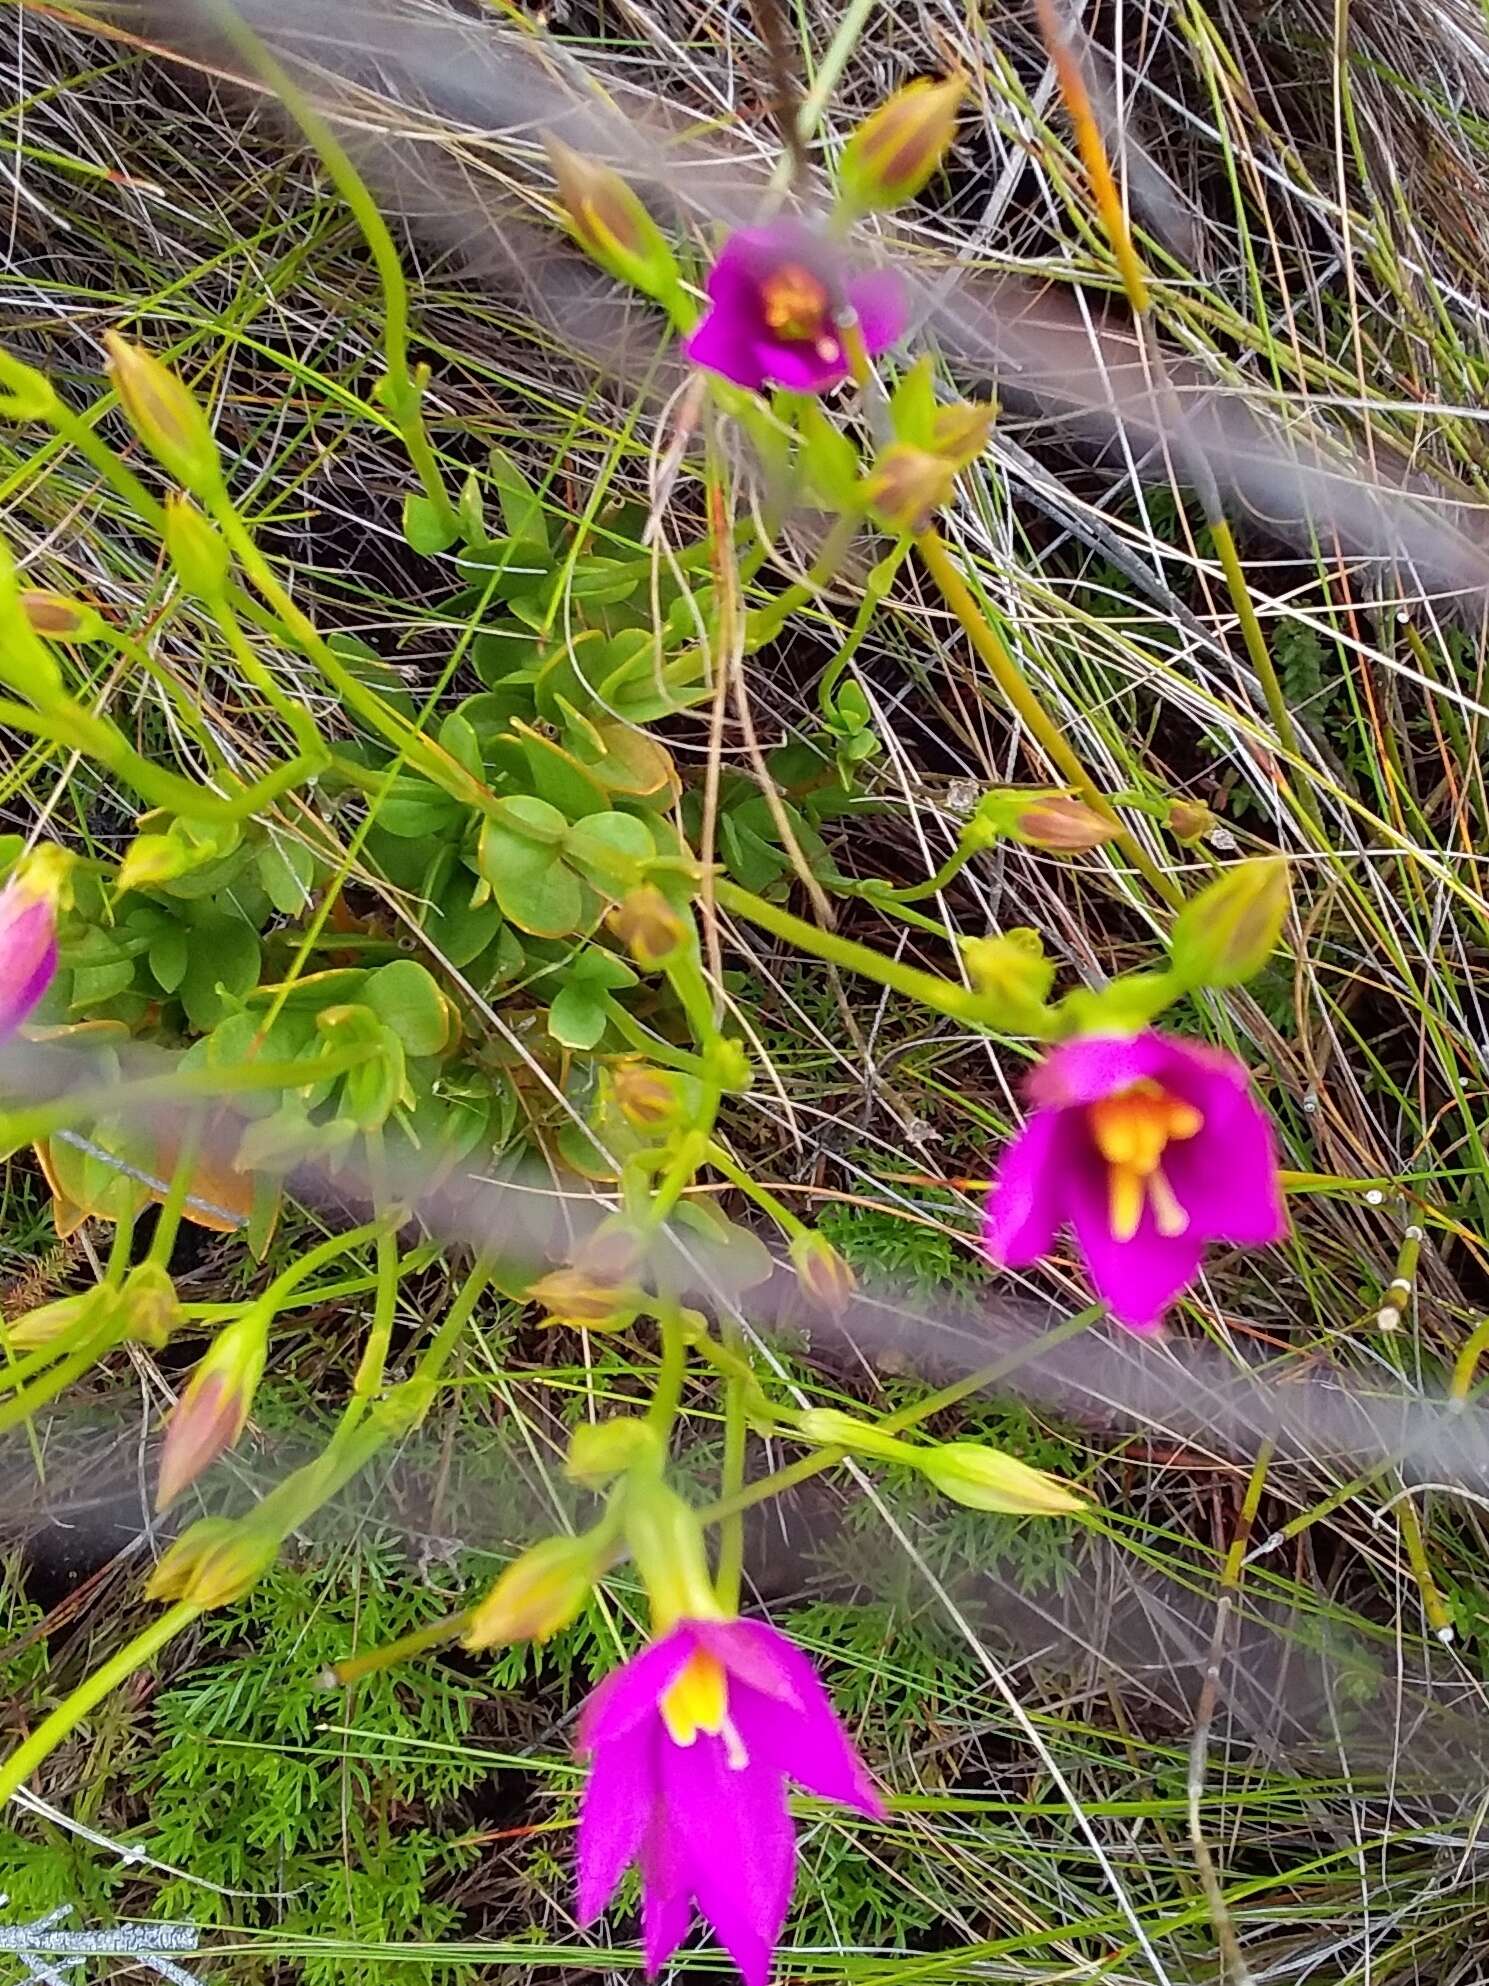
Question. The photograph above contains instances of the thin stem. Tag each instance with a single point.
(52, 1729)
(1010, 679)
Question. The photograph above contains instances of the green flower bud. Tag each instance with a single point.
(895, 150)
(151, 1309)
(611, 224)
(836, 1430)
(648, 926)
(646, 1097)
(25, 393)
(585, 1302)
(165, 416)
(213, 1563)
(599, 1451)
(56, 617)
(537, 1595)
(666, 1542)
(822, 1273)
(1229, 931)
(1190, 820)
(1011, 969)
(986, 1479)
(196, 549)
(70, 1317)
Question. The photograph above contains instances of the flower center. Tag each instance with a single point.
(1133, 1129)
(697, 1699)
(794, 304)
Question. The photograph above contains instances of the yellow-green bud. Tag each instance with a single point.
(1190, 820)
(646, 1097)
(1011, 968)
(611, 223)
(648, 926)
(1229, 931)
(150, 1307)
(165, 415)
(895, 150)
(599, 1451)
(584, 1302)
(196, 549)
(70, 1316)
(214, 1562)
(986, 1479)
(666, 1541)
(959, 433)
(56, 617)
(822, 1273)
(537, 1595)
(906, 487)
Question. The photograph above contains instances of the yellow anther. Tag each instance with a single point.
(795, 306)
(1132, 1130)
(696, 1700)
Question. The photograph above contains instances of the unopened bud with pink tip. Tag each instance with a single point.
(822, 1273)
(28, 933)
(212, 1412)
(648, 926)
(165, 415)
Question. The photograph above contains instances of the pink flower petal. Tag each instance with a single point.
(1098, 1065)
(1226, 1178)
(665, 1921)
(619, 1796)
(1027, 1205)
(630, 1692)
(1136, 1279)
(28, 953)
(801, 367)
(725, 345)
(734, 1834)
(758, 1656)
(882, 306)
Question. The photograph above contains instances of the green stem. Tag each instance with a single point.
(52, 1729)
(1005, 671)
(671, 1371)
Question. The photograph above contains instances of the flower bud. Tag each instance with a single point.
(986, 1479)
(165, 416)
(537, 1595)
(648, 926)
(69, 1316)
(906, 487)
(895, 150)
(213, 1410)
(214, 1562)
(611, 223)
(822, 1273)
(195, 547)
(56, 617)
(1012, 969)
(835, 1430)
(599, 1451)
(959, 433)
(28, 932)
(1062, 826)
(1189, 820)
(25, 393)
(149, 1305)
(1229, 931)
(647, 1098)
(584, 1302)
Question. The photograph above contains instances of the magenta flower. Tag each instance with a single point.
(774, 294)
(28, 948)
(1150, 1147)
(692, 1741)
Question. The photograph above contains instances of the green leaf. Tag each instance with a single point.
(372, 671)
(413, 809)
(502, 651)
(458, 929)
(531, 884)
(167, 955)
(458, 736)
(608, 847)
(286, 869)
(506, 568)
(425, 527)
(521, 506)
(471, 511)
(92, 985)
(224, 953)
(405, 997)
(829, 458)
(577, 1017)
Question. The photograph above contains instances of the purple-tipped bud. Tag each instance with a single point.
(28, 934)
(213, 1410)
